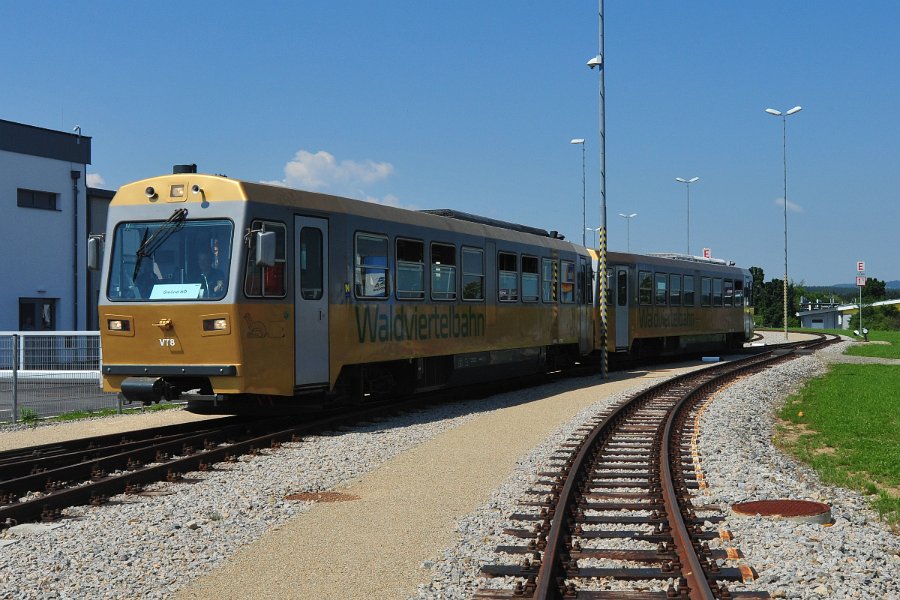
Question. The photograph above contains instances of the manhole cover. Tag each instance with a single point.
(804, 511)
(321, 497)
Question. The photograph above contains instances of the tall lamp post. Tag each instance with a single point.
(596, 230)
(583, 201)
(628, 219)
(597, 62)
(784, 116)
(687, 183)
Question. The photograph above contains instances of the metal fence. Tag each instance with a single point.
(45, 374)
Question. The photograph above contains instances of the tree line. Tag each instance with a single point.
(768, 302)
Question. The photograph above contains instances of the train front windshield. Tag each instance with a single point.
(173, 260)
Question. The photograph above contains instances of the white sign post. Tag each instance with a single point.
(860, 283)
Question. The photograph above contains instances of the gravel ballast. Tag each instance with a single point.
(197, 540)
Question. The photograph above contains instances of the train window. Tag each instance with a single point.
(729, 292)
(175, 260)
(371, 270)
(660, 288)
(622, 288)
(675, 290)
(266, 282)
(531, 285)
(610, 291)
(473, 273)
(508, 277)
(645, 287)
(689, 299)
(717, 291)
(738, 292)
(549, 279)
(705, 291)
(567, 285)
(581, 285)
(410, 278)
(588, 282)
(311, 275)
(443, 272)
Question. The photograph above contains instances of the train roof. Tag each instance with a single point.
(671, 260)
(183, 189)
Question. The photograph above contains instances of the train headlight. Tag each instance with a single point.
(118, 325)
(176, 191)
(215, 324)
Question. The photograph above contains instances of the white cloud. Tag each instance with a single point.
(322, 172)
(796, 208)
(95, 180)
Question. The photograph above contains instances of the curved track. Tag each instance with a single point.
(628, 481)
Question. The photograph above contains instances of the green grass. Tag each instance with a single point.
(846, 425)
(30, 417)
(889, 350)
(87, 414)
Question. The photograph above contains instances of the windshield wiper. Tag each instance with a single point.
(150, 244)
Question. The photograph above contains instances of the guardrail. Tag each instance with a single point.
(47, 373)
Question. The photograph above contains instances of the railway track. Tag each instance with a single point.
(36, 484)
(616, 510)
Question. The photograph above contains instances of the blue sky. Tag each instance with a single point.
(471, 105)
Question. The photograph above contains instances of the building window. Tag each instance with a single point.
(36, 199)
(37, 314)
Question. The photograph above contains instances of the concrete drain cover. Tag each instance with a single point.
(321, 497)
(804, 511)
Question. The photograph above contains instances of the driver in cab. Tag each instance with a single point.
(212, 279)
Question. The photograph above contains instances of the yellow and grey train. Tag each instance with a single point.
(239, 296)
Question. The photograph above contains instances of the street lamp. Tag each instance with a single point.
(597, 62)
(784, 116)
(596, 230)
(583, 209)
(628, 228)
(687, 183)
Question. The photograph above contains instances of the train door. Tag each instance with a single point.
(585, 301)
(310, 301)
(622, 308)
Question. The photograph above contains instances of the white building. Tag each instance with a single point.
(44, 216)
